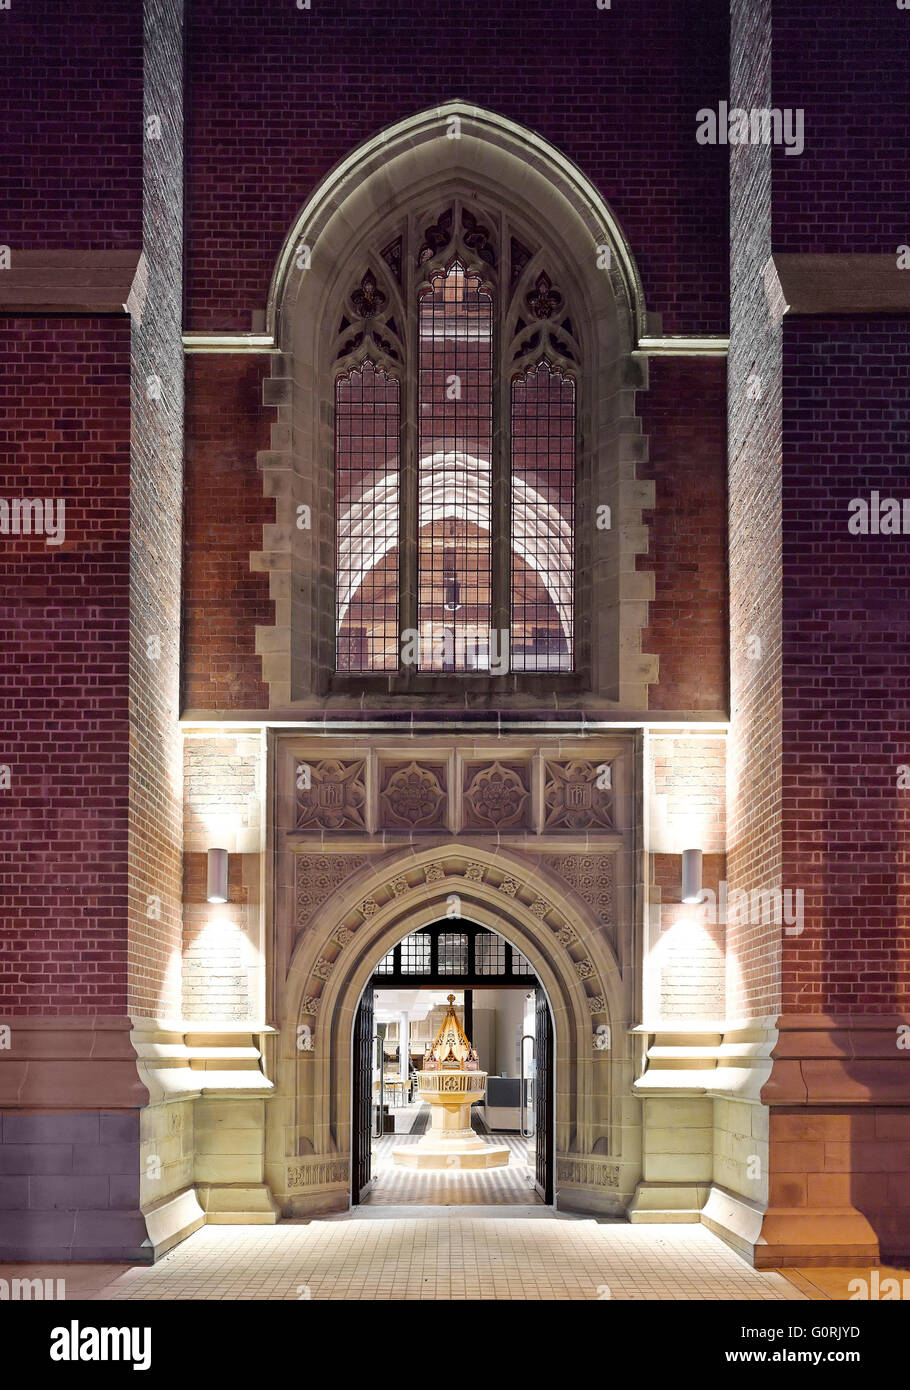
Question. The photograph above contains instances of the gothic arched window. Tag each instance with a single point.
(455, 452)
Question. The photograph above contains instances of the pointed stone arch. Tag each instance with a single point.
(506, 892)
(456, 151)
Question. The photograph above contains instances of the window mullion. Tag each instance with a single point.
(501, 509)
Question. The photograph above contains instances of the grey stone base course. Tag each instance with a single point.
(69, 1187)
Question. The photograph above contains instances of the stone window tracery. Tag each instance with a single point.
(456, 381)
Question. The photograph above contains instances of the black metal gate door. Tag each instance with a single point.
(361, 1172)
(543, 1096)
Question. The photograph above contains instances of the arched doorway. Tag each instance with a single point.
(488, 978)
(596, 1151)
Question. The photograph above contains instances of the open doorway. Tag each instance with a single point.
(504, 1011)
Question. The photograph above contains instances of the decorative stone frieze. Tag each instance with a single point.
(318, 1174)
(318, 877)
(335, 798)
(496, 796)
(572, 798)
(592, 877)
(413, 796)
(586, 1172)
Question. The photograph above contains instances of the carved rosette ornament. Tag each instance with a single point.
(414, 797)
(574, 798)
(335, 798)
(496, 796)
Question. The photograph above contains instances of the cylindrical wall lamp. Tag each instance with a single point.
(691, 875)
(217, 890)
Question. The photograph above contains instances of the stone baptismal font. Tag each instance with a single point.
(451, 1081)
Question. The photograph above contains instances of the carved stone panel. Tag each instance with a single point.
(318, 876)
(572, 798)
(496, 796)
(413, 796)
(591, 875)
(335, 798)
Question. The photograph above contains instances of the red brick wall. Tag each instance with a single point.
(845, 644)
(65, 432)
(847, 192)
(683, 414)
(71, 173)
(225, 511)
(280, 95)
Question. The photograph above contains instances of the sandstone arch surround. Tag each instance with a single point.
(411, 164)
(308, 1145)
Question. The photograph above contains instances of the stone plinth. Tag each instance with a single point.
(450, 1142)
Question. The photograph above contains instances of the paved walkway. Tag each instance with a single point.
(445, 1253)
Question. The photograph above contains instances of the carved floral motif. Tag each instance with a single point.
(496, 796)
(591, 875)
(414, 796)
(318, 877)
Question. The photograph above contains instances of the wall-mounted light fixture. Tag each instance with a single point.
(217, 888)
(691, 875)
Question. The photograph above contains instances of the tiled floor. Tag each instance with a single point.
(398, 1186)
(453, 1253)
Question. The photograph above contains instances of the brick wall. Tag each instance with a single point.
(683, 414)
(754, 485)
(65, 433)
(223, 799)
(845, 640)
(282, 94)
(847, 192)
(71, 174)
(155, 555)
(688, 810)
(225, 510)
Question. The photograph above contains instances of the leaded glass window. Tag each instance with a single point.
(456, 395)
